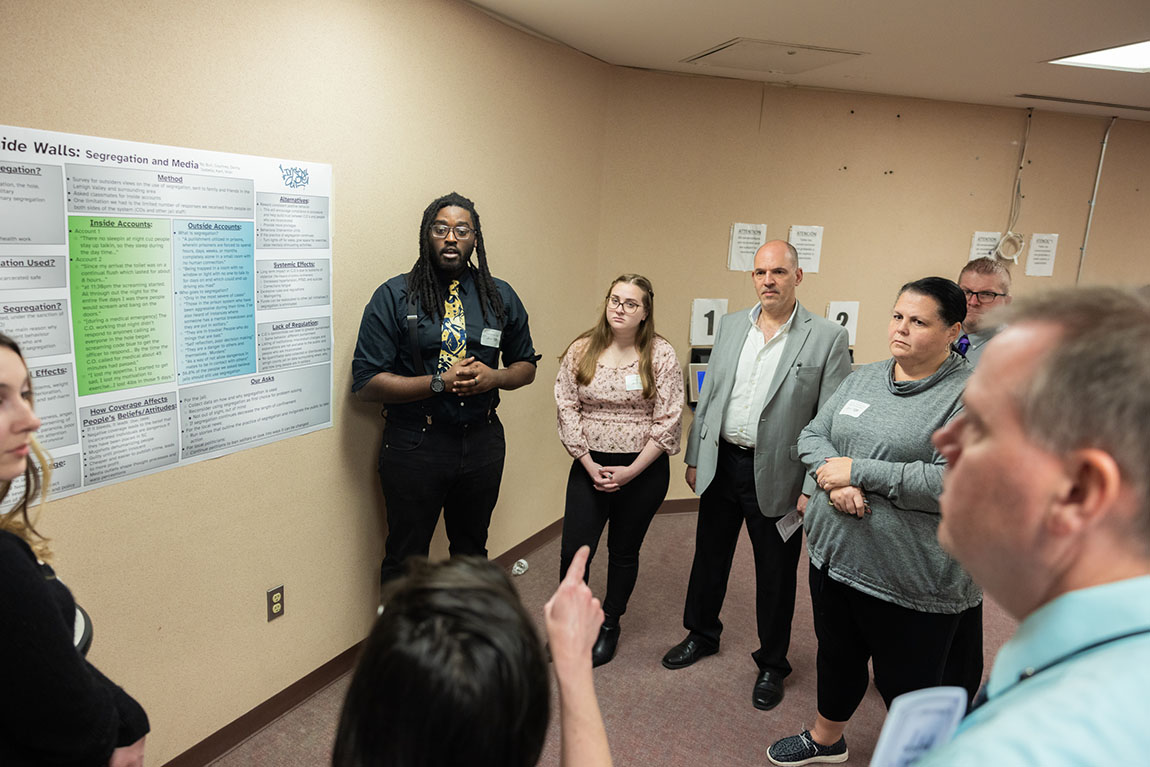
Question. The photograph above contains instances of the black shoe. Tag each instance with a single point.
(604, 649)
(768, 691)
(686, 653)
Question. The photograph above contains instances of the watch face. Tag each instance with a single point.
(436, 383)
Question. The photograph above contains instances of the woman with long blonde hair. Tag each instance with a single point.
(55, 707)
(619, 395)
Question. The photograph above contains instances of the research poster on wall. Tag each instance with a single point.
(173, 304)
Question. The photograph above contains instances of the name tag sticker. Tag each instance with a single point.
(854, 408)
(633, 382)
(491, 337)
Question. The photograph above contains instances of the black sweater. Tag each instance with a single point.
(55, 707)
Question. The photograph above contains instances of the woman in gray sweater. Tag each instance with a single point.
(881, 587)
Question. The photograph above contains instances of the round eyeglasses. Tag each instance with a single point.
(629, 307)
(439, 231)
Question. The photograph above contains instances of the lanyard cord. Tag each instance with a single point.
(1030, 673)
(1033, 672)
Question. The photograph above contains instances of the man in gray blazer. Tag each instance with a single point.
(770, 369)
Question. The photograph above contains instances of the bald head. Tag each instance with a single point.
(776, 274)
(781, 248)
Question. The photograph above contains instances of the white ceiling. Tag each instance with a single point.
(974, 51)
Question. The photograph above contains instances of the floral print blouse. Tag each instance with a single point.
(607, 417)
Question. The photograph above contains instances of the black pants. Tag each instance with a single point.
(630, 511)
(908, 648)
(728, 502)
(964, 663)
(425, 469)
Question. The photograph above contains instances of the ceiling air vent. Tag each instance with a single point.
(771, 58)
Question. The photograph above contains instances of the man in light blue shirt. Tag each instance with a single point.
(1046, 502)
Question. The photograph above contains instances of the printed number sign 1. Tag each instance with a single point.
(705, 316)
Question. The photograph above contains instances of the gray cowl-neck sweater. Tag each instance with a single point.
(885, 426)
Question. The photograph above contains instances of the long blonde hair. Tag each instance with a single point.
(37, 478)
(600, 337)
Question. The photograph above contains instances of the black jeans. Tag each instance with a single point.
(728, 502)
(907, 648)
(630, 511)
(964, 663)
(425, 469)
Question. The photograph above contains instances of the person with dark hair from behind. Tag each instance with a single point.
(882, 590)
(55, 707)
(454, 673)
(429, 348)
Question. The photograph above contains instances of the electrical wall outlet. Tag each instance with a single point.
(275, 602)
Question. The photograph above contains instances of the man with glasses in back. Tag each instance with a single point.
(428, 349)
(769, 371)
(986, 283)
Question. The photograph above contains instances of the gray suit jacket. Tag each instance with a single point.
(815, 360)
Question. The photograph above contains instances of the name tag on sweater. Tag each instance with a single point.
(633, 382)
(854, 408)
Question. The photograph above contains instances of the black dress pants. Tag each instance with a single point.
(425, 469)
(630, 511)
(907, 648)
(964, 664)
(728, 502)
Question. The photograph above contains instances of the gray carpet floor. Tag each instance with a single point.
(700, 715)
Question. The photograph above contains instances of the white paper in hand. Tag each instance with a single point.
(917, 722)
(789, 524)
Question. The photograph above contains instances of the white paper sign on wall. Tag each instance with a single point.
(705, 314)
(845, 313)
(808, 241)
(745, 240)
(1040, 259)
(983, 244)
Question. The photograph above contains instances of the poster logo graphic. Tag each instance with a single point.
(294, 178)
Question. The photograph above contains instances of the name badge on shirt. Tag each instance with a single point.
(854, 408)
(491, 337)
(633, 382)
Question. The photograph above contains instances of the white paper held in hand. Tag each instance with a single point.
(917, 722)
(788, 524)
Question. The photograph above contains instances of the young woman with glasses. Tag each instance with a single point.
(620, 401)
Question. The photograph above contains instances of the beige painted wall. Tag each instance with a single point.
(407, 100)
(899, 184)
(580, 171)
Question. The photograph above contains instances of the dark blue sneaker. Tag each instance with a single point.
(802, 749)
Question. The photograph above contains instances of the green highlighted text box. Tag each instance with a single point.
(120, 274)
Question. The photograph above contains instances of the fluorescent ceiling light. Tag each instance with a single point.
(1126, 58)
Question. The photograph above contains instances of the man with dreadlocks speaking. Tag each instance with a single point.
(428, 349)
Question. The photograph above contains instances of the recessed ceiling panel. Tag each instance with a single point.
(772, 58)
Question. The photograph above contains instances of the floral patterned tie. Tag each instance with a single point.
(453, 339)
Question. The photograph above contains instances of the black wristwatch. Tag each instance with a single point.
(437, 383)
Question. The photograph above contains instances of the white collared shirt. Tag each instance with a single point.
(757, 365)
